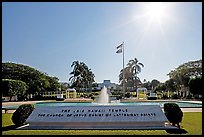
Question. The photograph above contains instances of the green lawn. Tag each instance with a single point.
(192, 123)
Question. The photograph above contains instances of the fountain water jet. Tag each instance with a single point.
(105, 100)
(103, 97)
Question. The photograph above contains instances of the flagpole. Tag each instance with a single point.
(123, 69)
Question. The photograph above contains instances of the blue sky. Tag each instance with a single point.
(50, 36)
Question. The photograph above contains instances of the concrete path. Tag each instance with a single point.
(19, 103)
(191, 109)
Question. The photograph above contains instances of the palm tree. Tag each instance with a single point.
(127, 77)
(87, 76)
(90, 78)
(135, 68)
(82, 76)
(76, 78)
(130, 73)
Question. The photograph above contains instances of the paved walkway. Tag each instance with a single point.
(200, 102)
(191, 109)
(19, 103)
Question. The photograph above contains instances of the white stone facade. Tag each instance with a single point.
(107, 84)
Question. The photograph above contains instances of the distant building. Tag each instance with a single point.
(107, 84)
(65, 84)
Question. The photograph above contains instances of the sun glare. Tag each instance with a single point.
(155, 10)
(153, 19)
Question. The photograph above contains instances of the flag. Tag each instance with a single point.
(119, 48)
(119, 51)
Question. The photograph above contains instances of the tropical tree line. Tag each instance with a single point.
(35, 80)
(185, 80)
(82, 77)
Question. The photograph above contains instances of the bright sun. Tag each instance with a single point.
(155, 10)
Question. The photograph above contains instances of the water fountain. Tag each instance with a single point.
(103, 97)
(104, 115)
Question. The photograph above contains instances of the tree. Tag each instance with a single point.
(182, 74)
(90, 78)
(94, 84)
(75, 78)
(54, 85)
(13, 87)
(36, 80)
(128, 79)
(195, 85)
(135, 68)
(147, 85)
(154, 83)
(131, 71)
(82, 76)
(160, 87)
(192, 68)
(170, 85)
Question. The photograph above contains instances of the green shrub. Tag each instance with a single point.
(173, 113)
(93, 97)
(22, 113)
(151, 98)
(117, 98)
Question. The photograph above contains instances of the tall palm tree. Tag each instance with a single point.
(82, 76)
(90, 78)
(127, 77)
(135, 68)
(76, 78)
(87, 76)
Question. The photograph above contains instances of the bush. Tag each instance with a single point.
(195, 85)
(81, 96)
(164, 97)
(22, 113)
(92, 97)
(119, 97)
(175, 96)
(151, 98)
(59, 99)
(173, 113)
(127, 95)
(189, 97)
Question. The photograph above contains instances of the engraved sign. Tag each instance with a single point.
(97, 117)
